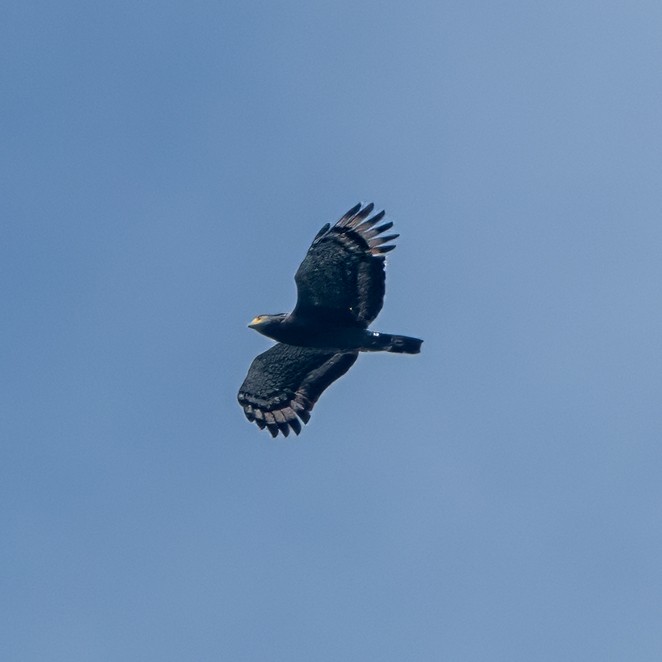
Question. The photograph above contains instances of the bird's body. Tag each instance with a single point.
(340, 286)
(327, 332)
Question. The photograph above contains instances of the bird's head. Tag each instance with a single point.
(266, 323)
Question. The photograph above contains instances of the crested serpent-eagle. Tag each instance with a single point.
(340, 291)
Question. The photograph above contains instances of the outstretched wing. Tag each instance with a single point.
(284, 383)
(343, 271)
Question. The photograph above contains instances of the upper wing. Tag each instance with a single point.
(343, 271)
(285, 381)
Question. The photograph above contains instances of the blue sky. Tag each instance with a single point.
(164, 168)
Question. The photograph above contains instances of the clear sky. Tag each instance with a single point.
(164, 167)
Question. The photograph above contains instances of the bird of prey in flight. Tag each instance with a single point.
(340, 291)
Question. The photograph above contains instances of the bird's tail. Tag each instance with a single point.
(385, 342)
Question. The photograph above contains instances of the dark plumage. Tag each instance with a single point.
(340, 287)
